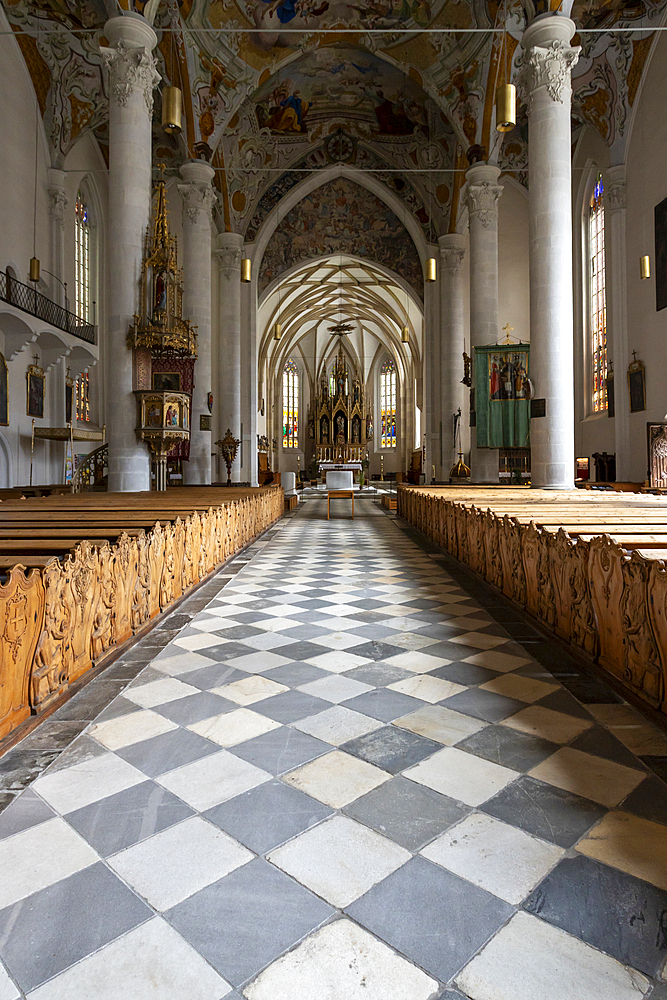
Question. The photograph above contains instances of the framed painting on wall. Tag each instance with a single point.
(35, 379)
(661, 255)
(166, 381)
(637, 385)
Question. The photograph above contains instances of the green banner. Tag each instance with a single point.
(503, 415)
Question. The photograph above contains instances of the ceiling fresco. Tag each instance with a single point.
(276, 89)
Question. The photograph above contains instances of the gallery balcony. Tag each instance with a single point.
(30, 301)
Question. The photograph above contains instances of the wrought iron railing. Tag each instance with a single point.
(92, 470)
(31, 301)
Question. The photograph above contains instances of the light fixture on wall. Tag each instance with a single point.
(246, 269)
(505, 93)
(645, 267)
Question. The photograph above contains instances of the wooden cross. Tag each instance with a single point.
(634, 356)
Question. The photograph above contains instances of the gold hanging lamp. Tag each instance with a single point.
(505, 107)
(644, 267)
(405, 335)
(172, 103)
(246, 269)
(277, 331)
(34, 269)
(431, 272)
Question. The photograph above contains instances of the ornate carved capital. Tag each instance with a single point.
(549, 66)
(229, 261)
(57, 205)
(130, 67)
(615, 188)
(450, 259)
(483, 201)
(197, 198)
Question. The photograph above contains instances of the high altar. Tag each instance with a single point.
(340, 420)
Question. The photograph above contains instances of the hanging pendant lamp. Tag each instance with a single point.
(430, 269)
(246, 269)
(405, 335)
(645, 267)
(171, 110)
(277, 331)
(505, 107)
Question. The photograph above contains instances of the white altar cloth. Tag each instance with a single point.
(340, 479)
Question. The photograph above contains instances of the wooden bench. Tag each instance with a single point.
(339, 495)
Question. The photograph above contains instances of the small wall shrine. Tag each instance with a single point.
(165, 350)
(340, 417)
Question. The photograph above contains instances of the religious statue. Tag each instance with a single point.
(369, 426)
(325, 431)
(341, 384)
(340, 429)
(356, 390)
(356, 431)
(160, 292)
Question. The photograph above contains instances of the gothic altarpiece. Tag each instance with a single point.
(340, 417)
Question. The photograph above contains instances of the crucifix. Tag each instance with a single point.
(508, 330)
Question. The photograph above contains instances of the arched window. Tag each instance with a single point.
(82, 258)
(597, 300)
(290, 405)
(388, 404)
(82, 390)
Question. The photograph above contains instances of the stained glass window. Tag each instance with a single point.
(290, 405)
(598, 299)
(82, 258)
(388, 405)
(82, 387)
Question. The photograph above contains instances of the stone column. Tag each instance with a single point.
(546, 78)
(198, 198)
(483, 192)
(432, 409)
(229, 250)
(617, 312)
(132, 76)
(57, 209)
(453, 394)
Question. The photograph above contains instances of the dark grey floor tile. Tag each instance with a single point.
(376, 650)
(562, 701)
(224, 651)
(215, 674)
(305, 632)
(486, 705)
(658, 765)
(52, 929)
(281, 750)
(383, 704)
(462, 673)
(391, 748)
(502, 745)
(607, 908)
(376, 633)
(648, 800)
(300, 650)
(195, 707)
(601, 743)
(167, 751)
(268, 815)
(51, 735)
(378, 674)
(442, 632)
(295, 673)
(127, 668)
(90, 701)
(19, 767)
(123, 819)
(545, 811)
(251, 617)
(146, 676)
(290, 706)
(248, 919)
(238, 632)
(409, 814)
(367, 617)
(22, 812)
(6, 799)
(431, 916)
(116, 708)
(453, 651)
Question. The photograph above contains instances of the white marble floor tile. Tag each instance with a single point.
(499, 858)
(249, 690)
(278, 624)
(402, 622)
(234, 727)
(213, 779)
(431, 689)
(594, 778)
(129, 729)
(268, 640)
(461, 775)
(339, 859)
(628, 842)
(39, 857)
(337, 640)
(340, 624)
(174, 864)
(479, 639)
(337, 725)
(417, 661)
(335, 688)
(412, 640)
(338, 660)
(159, 692)
(529, 959)
(86, 782)
(207, 624)
(7, 989)
(265, 660)
(554, 726)
(638, 735)
(194, 642)
(151, 962)
(516, 686)
(441, 724)
(337, 778)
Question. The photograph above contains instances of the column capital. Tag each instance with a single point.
(197, 194)
(549, 57)
(229, 251)
(57, 197)
(615, 188)
(452, 251)
(483, 192)
(129, 60)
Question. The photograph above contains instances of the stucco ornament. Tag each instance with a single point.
(57, 205)
(131, 67)
(451, 258)
(197, 198)
(549, 66)
(483, 201)
(229, 261)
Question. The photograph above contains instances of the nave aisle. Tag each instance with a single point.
(344, 779)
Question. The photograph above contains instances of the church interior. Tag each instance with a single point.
(333, 500)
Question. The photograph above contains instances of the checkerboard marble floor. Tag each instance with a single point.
(343, 780)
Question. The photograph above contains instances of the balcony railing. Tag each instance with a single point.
(31, 301)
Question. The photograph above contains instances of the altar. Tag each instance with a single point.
(340, 419)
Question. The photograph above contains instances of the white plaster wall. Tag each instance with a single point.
(513, 283)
